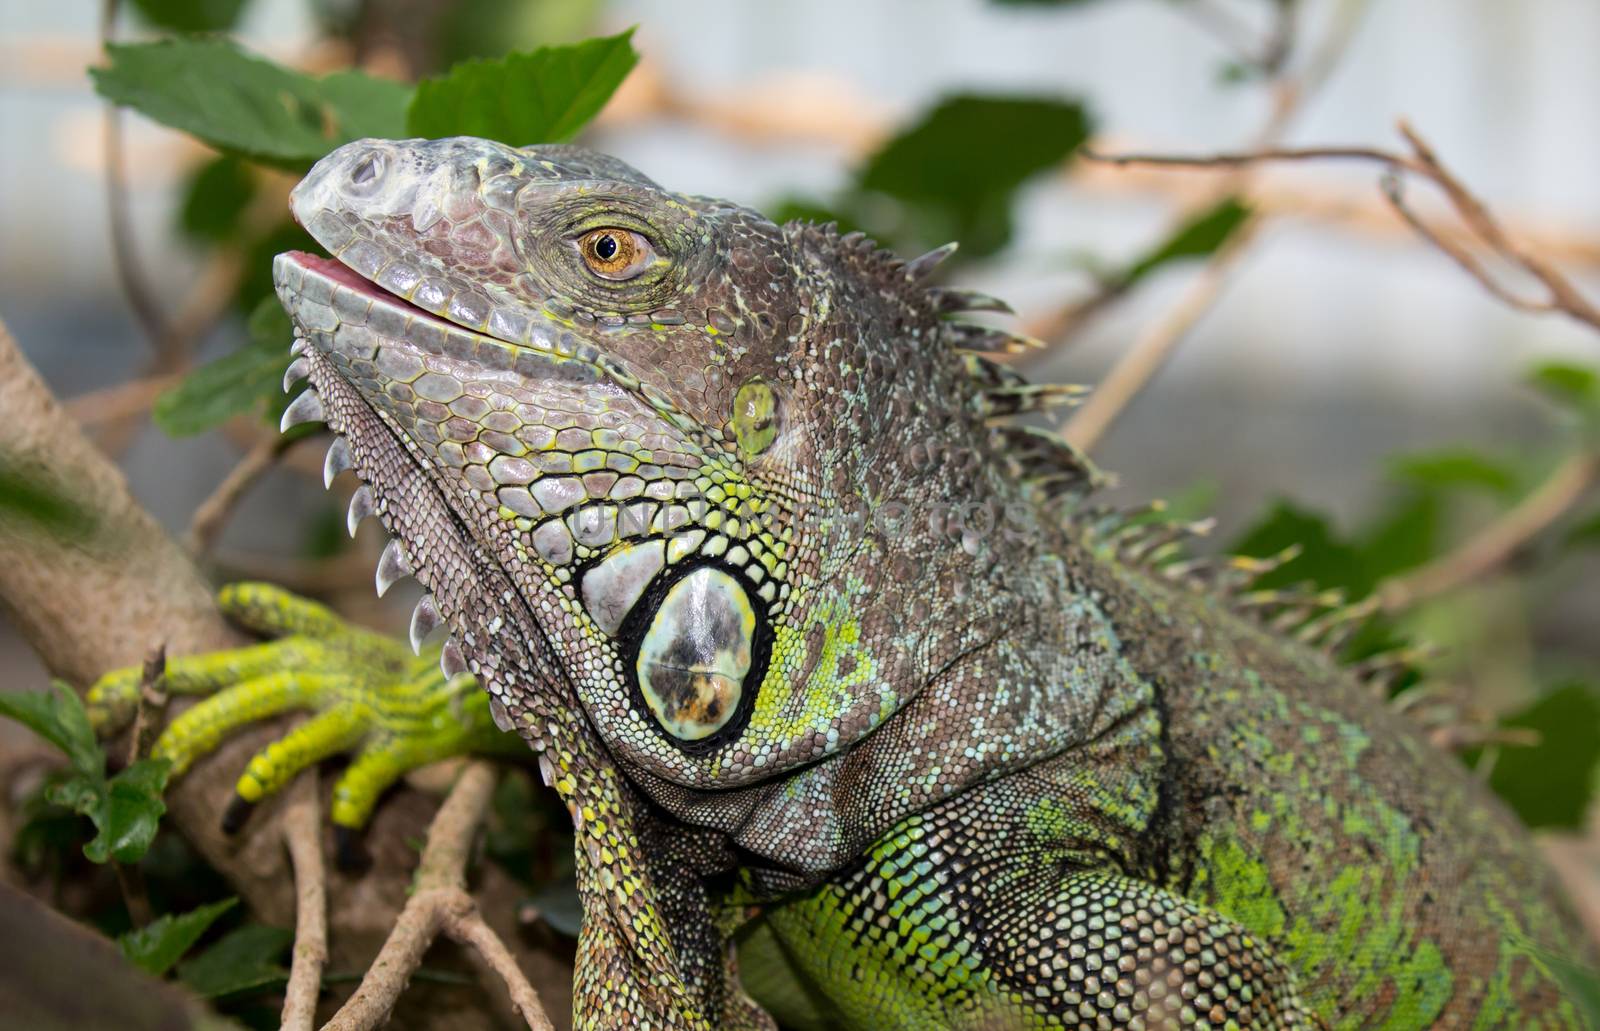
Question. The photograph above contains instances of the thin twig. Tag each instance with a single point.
(440, 903)
(151, 704)
(133, 397)
(1151, 350)
(1244, 158)
(212, 514)
(1139, 365)
(130, 274)
(1483, 228)
(1498, 544)
(302, 834)
(469, 928)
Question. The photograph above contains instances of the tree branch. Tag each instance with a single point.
(440, 903)
(1151, 350)
(1481, 225)
(1498, 544)
(1136, 368)
(302, 834)
(212, 514)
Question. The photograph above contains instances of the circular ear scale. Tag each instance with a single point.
(697, 649)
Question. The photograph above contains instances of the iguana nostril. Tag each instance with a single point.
(367, 169)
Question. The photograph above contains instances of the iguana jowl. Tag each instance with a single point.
(731, 522)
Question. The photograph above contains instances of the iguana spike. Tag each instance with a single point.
(947, 300)
(1164, 535)
(970, 336)
(1239, 571)
(298, 370)
(1002, 402)
(1190, 570)
(392, 565)
(1382, 672)
(452, 663)
(361, 507)
(921, 267)
(1339, 615)
(338, 461)
(425, 620)
(1045, 461)
(305, 408)
(502, 718)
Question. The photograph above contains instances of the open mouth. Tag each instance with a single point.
(344, 277)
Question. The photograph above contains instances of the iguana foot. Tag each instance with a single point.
(368, 694)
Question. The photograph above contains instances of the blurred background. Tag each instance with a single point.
(1334, 379)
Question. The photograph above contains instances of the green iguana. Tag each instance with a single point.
(736, 527)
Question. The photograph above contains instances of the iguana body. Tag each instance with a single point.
(732, 522)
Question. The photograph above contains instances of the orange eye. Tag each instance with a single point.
(615, 253)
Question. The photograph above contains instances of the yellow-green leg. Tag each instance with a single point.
(368, 694)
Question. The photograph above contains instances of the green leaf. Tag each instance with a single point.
(215, 198)
(157, 946)
(1405, 536)
(1550, 784)
(255, 284)
(1197, 238)
(365, 105)
(959, 166)
(126, 811)
(191, 15)
(233, 384)
(1326, 559)
(1575, 384)
(1454, 468)
(1586, 533)
(545, 96)
(243, 104)
(244, 959)
(1573, 387)
(58, 716)
(493, 28)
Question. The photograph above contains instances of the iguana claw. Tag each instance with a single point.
(367, 693)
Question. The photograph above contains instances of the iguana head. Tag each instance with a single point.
(727, 484)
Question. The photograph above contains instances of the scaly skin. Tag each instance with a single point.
(730, 521)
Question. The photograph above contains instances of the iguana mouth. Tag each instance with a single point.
(344, 277)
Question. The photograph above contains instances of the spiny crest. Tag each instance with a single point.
(1044, 463)
(1041, 461)
(1143, 537)
(1003, 391)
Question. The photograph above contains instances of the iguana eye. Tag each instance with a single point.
(614, 253)
(696, 654)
